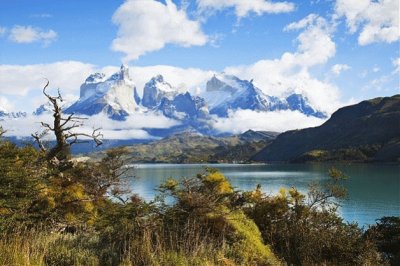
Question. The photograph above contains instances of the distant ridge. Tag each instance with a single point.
(193, 147)
(367, 131)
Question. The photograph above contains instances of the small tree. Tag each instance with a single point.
(63, 129)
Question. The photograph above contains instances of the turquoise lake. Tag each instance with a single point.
(373, 189)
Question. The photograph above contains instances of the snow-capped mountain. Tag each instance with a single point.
(226, 92)
(11, 115)
(114, 96)
(155, 91)
(297, 102)
(117, 97)
(163, 99)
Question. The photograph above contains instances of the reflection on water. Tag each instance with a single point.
(373, 190)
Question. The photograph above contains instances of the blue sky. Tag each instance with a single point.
(249, 38)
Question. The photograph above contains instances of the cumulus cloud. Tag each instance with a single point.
(279, 121)
(22, 79)
(378, 21)
(5, 104)
(29, 34)
(146, 26)
(315, 45)
(290, 73)
(339, 68)
(132, 128)
(244, 8)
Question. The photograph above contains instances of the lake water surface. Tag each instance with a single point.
(373, 189)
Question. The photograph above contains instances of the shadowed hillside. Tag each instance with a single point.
(367, 131)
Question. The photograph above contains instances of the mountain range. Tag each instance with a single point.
(117, 97)
(11, 115)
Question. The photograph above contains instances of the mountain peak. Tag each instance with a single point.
(155, 90)
(300, 103)
(158, 78)
(95, 78)
(122, 74)
(114, 96)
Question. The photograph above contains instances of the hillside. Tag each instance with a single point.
(190, 147)
(367, 131)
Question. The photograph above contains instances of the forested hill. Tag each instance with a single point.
(192, 147)
(367, 131)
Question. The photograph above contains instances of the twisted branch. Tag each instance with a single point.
(62, 130)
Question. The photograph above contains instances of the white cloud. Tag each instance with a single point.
(132, 128)
(279, 121)
(29, 34)
(5, 104)
(290, 73)
(303, 23)
(339, 68)
(315, 45)
(244, 8)
(378, 21)
(21, 79)
(146, 26)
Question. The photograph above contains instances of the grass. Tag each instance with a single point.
(186, 248)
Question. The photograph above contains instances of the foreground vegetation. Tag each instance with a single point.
(58, 211)
(79, 215)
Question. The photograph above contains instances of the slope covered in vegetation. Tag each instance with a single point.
(367, 131)
(190, 147)
(82, 216)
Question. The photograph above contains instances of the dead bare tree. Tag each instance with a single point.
(2, 131)
(63, 129)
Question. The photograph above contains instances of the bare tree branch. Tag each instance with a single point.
(62, 129)
(2, 131)
(38, 138)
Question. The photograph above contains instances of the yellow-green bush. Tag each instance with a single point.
(248, 247)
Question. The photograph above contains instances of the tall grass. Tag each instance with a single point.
(167, 246)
